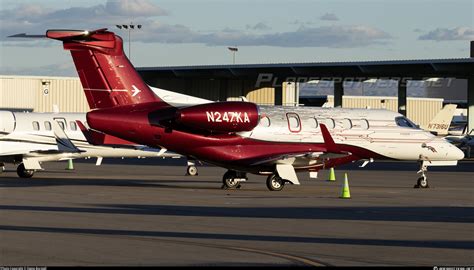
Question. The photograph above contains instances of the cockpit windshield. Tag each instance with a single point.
(405, 122)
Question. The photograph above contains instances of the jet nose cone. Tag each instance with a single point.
(456, 153)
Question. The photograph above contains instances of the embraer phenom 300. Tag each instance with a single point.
(241, 136)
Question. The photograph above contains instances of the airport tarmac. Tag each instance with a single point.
(143, 215)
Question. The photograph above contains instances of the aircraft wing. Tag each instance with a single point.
(295, 157)
(329, 151)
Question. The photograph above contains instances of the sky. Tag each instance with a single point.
(180, 32)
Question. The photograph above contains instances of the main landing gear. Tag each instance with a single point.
(23, 172)
(232, 179)
(275, 182)
(192, 169)
(422, 181)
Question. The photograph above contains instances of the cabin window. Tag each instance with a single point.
(404, 122)
(314, 123)
(73, 125)
(330, 123)
(346, 123)
(294, 123)
(47, 125)
(36, 125)
(265, 121)
(364, 124)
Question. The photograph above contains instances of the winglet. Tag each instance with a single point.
(328, 141)
(63, 141)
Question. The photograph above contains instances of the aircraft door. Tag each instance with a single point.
(294, 122)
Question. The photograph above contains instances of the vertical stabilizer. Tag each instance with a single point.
(441, 122)
(106, 74)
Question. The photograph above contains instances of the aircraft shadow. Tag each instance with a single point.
(381, 213)
(463, 166)
(39, 182)
(246, 237)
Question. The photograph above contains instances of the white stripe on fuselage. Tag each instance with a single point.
(383, 136)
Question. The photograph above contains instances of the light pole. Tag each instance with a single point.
(233, 50)
(129, 27)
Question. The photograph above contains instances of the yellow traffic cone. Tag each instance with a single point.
(70, 165)
(332, 175)
(346, 194)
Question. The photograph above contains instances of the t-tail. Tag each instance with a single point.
(440, 124)
(106, 74)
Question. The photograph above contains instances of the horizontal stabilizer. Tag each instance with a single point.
(62, 34)
(24, 35)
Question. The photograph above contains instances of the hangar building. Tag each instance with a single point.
(265, 84)
(40, 93)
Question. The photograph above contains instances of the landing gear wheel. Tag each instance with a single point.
(192, 170)
(24, 173)
(229, 181)
(275, 183)
(422, 183)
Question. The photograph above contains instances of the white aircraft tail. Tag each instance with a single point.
(441, 122)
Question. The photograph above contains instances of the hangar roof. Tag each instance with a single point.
(458, 68)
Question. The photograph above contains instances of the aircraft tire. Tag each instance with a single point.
(275, 183)
(228, 180)
(422, 183)
(24, 173)
(192, 170)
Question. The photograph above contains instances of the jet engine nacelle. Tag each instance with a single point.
(229, 116)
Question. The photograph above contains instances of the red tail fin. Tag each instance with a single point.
(107, 76)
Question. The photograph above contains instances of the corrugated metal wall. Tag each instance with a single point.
(262, 96)
(422, 110)
(40, 93)
(66, 93)
(419, 110)
(18, 93)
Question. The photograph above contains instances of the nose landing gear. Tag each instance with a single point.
(422, 181)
